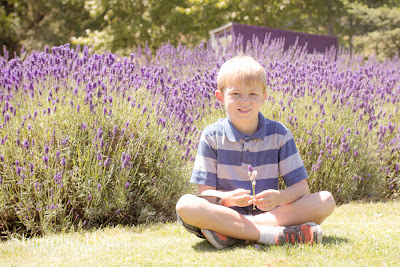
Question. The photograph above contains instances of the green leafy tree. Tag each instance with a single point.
(376, 30)
(36, 23)
(9, 25)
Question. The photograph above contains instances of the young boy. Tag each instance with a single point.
(223, 212)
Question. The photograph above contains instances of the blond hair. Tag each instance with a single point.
(241, 69)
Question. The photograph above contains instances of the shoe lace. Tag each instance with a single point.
(293, 234)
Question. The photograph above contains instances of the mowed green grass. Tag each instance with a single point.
(357, 234)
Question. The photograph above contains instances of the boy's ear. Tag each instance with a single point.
(265, 96)
(219, 96)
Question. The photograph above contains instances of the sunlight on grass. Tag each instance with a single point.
(355, 235)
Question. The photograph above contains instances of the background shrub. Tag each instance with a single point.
(91, 139)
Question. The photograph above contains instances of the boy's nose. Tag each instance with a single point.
(245, 99)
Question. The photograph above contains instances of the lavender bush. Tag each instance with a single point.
(92, 139)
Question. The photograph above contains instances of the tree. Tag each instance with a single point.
(36, 23)
(375, 30)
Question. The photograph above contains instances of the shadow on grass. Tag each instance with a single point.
(205, 246)
(333, 240)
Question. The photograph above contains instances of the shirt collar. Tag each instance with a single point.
(234, 134)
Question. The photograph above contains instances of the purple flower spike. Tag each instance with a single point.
(127, 185)
(98, 187)
(250, 168)
(46, 148)
(99, 156)
(26, 144)
(46, 159)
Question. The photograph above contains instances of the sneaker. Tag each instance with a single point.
(309, 233)
(217, 240)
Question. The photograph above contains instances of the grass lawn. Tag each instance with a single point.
(355, 235)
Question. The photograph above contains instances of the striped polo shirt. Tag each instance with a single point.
(225, 153)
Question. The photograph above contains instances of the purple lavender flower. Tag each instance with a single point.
(125, 160)
(46, 148)
(65, 141)
(38, 186)
(46, 159)
(250, 168)
(6, 118)
(58, 177)
(98, 187)
(26, 144)
(127, 184)
(99, 156)
(99, 133)
(18, 170)
(107, 162)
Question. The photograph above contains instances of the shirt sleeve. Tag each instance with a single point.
(290, 164)
(205, 165)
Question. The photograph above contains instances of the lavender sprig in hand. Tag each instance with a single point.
(252, 176)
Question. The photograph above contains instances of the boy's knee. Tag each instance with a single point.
(328, 201)
(186, 202)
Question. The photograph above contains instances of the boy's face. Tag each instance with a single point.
(242, 103)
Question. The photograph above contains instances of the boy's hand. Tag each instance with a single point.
(268, 199)
(239, 197)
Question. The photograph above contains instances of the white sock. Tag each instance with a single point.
(268, 235)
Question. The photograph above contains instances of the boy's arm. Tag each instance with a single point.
(238, 197)
(270, 199)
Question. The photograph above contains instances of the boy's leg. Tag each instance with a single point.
(199, 212)
(205, 215)
(314, 207)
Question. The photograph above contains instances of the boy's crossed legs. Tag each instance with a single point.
(199, 212)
